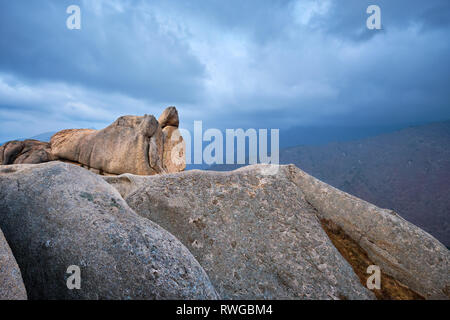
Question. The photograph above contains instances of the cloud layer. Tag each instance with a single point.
(262, 64)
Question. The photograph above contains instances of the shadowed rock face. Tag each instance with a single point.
(390, 288)
(25, 152)
(55, 215)
(169, 118)
(401, 249)
(260, 236)
(11, 283)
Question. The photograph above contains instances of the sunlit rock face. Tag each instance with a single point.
(132, 144)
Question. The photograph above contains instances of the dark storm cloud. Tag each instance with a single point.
(119, 51)
(252, 63)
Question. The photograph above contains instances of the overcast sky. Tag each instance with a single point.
(230, 63)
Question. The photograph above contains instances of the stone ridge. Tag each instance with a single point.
(201, 205)
(259, 232)
(132, 144)
(401, 249)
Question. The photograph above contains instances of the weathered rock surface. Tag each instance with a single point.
(55, 215)
(11, 283)
(174, 145)
(126, 183)
(174, 148)
(401, 249)
(131, 144)
(169, 117)
(25, 152)
(258, 236)
(255, 235)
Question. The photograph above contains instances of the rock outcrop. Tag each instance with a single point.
(402, 250)
(268, 236)
(25, 152)
(169, 117)
(407, 171)
(56, 215)
(132, 144)
(255, 235)
(174, 145)
(11, 283)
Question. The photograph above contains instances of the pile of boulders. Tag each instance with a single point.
(139, 145)
(252, 233)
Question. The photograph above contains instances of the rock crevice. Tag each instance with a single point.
(402, 250)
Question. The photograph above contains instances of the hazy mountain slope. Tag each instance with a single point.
(407, 171)
(44, 136)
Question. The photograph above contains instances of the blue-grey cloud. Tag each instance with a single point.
(253, 63)
(121, 49)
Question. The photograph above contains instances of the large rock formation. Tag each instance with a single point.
(402, 250)
(258, 234)
(255, 236)
(55, 215)
(129, 145)
(25, 152)
(11, 283)
(169, 117)
(174, 145)
(268, 236)
(132, 144)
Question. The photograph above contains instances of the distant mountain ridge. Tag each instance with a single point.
(46, 136)
(407, 171)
